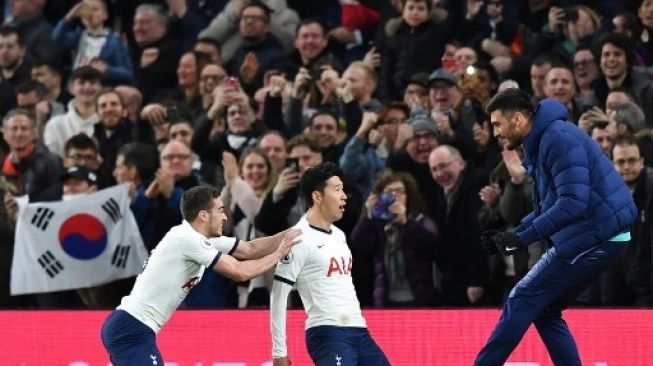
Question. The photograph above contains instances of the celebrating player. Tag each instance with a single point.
(320, 267)
(175, 266)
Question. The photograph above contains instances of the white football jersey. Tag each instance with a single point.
(320, 268)
(173, 268)
(225, 244)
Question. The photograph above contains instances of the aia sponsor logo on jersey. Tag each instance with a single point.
(190, 284)
(338, 265)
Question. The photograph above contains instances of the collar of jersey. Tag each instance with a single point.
(329, 231)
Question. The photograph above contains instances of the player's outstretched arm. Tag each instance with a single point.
(246, 270)
(278, 306)
(259, 247)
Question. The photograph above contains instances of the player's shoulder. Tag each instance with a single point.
(184, 235)
(337, 232)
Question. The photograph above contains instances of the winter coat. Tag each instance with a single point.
(579, 199)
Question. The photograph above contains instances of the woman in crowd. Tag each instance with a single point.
(394, 246)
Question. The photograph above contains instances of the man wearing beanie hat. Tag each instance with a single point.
(419, 137)
(423, 123)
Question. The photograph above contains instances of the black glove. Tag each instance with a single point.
(487, 243)
(507, 242)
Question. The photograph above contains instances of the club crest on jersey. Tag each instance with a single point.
(287, 259)
(338, 360)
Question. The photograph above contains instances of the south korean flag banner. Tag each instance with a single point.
(84, 242)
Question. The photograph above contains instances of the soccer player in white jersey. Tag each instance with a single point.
(320, 268)
(174, 267)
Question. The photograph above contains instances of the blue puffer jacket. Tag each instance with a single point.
(579, 200)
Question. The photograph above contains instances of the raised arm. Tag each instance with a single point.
(259, 247)
(241, 271)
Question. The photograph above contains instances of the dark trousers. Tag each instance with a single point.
(539, 299)
(128, 341)
(343, 346)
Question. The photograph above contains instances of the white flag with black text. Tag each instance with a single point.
(80, 243)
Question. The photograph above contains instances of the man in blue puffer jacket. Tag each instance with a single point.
(582, 209)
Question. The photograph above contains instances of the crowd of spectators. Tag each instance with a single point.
(246, 95)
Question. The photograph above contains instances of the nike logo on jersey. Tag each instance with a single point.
(319, 246)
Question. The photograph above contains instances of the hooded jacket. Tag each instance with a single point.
(579, 199)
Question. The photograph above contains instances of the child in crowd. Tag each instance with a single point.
(94, 44)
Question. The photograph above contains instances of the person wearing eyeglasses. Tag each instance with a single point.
(211, 76)
(283, 22)
(162, 196)
(260, 50)
(628, 281)
(585, 72)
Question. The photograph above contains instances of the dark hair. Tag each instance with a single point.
(196, 199)
(309, 21)
(300, 140)
(599, 125)
(429, 3)
(510, 101)
(261, 5)
(325, 112)
(545, 58)
(618, 40)
(627, 140)
(141, 156)
(564, 66)
(623, 89)
(631, 23)
(491, 71)
(80, 141)
(201, 60)
(314, 179)
(54, 65)
(382, 112)
(210, 41)
(415, 202)
(86, 73)
(28, 86)
(8, 30)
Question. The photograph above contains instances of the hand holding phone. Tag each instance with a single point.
(232, 83)
(381, 209)
(172, 114)
(292, 164)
